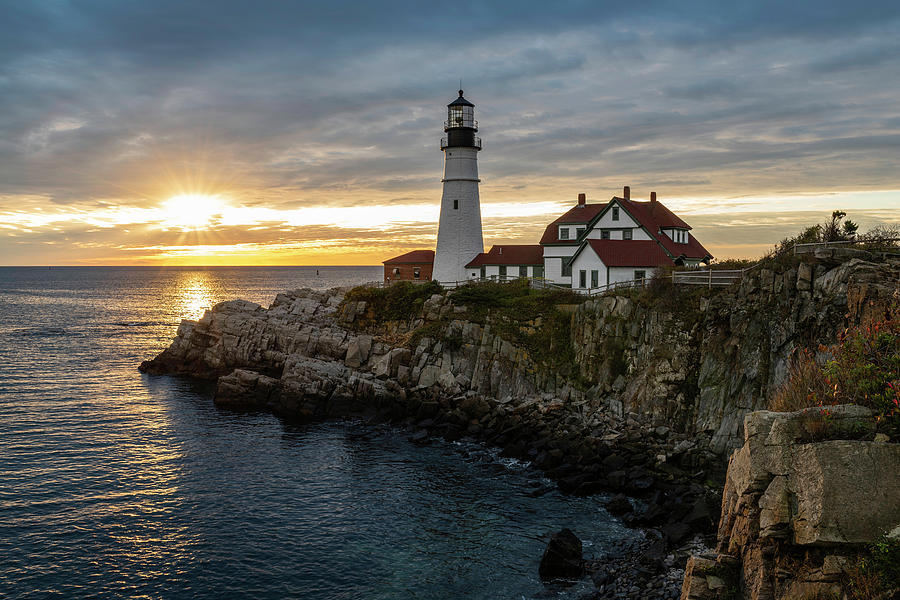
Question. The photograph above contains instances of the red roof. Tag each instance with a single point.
(416, 257)
(654, 216)
(575, 215)
(509, 254)
(653, 212)
(630, 253)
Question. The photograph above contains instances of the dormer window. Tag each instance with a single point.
(615, 213)
(579, 231)
(563, 233)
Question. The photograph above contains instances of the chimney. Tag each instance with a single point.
(627, 193)
(652, 197)
(581, 200)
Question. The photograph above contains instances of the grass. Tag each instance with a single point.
(401, 301)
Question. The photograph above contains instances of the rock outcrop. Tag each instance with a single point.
(800, 501)
(562, 557)
(701, 364)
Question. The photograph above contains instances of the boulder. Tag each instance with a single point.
(245, 389)
(562, 558)
(358, 351)
(847, 491)
(618, 505)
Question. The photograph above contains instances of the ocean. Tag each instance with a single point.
(115, 484)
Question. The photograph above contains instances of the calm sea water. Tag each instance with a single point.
(115, 484)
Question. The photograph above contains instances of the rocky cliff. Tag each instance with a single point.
(703, 361)
(804, 496)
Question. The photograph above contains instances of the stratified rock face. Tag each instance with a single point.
(703, 368)
(562, 557)
(817, 501)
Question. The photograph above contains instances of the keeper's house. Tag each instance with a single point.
(594, 245)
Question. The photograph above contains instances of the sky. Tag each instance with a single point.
(226, 132)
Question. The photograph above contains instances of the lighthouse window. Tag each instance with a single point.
(455, 204)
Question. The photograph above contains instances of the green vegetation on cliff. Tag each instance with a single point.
(398, 302)
(862, 368)
(539, 321)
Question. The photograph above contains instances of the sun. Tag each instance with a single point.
(192, 211)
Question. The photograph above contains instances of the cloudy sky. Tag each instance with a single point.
(176, 132)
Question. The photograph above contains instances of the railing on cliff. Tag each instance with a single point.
(813, 246)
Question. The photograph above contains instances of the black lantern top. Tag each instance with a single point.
(461, 125)
(461, 101)
(461, 114)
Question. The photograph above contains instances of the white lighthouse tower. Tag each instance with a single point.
(459, 237)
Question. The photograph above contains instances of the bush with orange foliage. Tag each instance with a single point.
(862, 368)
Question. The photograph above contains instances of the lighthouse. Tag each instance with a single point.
(459, 237)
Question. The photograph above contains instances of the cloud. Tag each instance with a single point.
(339, 104)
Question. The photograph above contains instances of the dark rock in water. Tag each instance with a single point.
(562, 558)
(245, 389)
(420, 438)
(676, 533)
(619, 505)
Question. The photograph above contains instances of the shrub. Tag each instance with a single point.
(875, 574)
(806, 384)
(863, 368)
(400, 301)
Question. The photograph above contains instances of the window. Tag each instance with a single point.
(595, 279)
(615, 213)
(502, 270)
(582, 278)
(604, 234)
(640, 274)
(396, 270)
(563, 233)
(523, 271)
(579, 231)
(626, 234)
(566, 268)
(416, 272)
(456, 205)
(483, 274)
(538, 271)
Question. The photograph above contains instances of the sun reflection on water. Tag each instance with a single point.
(194, 294)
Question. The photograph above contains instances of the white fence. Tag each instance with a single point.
(705, 277)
